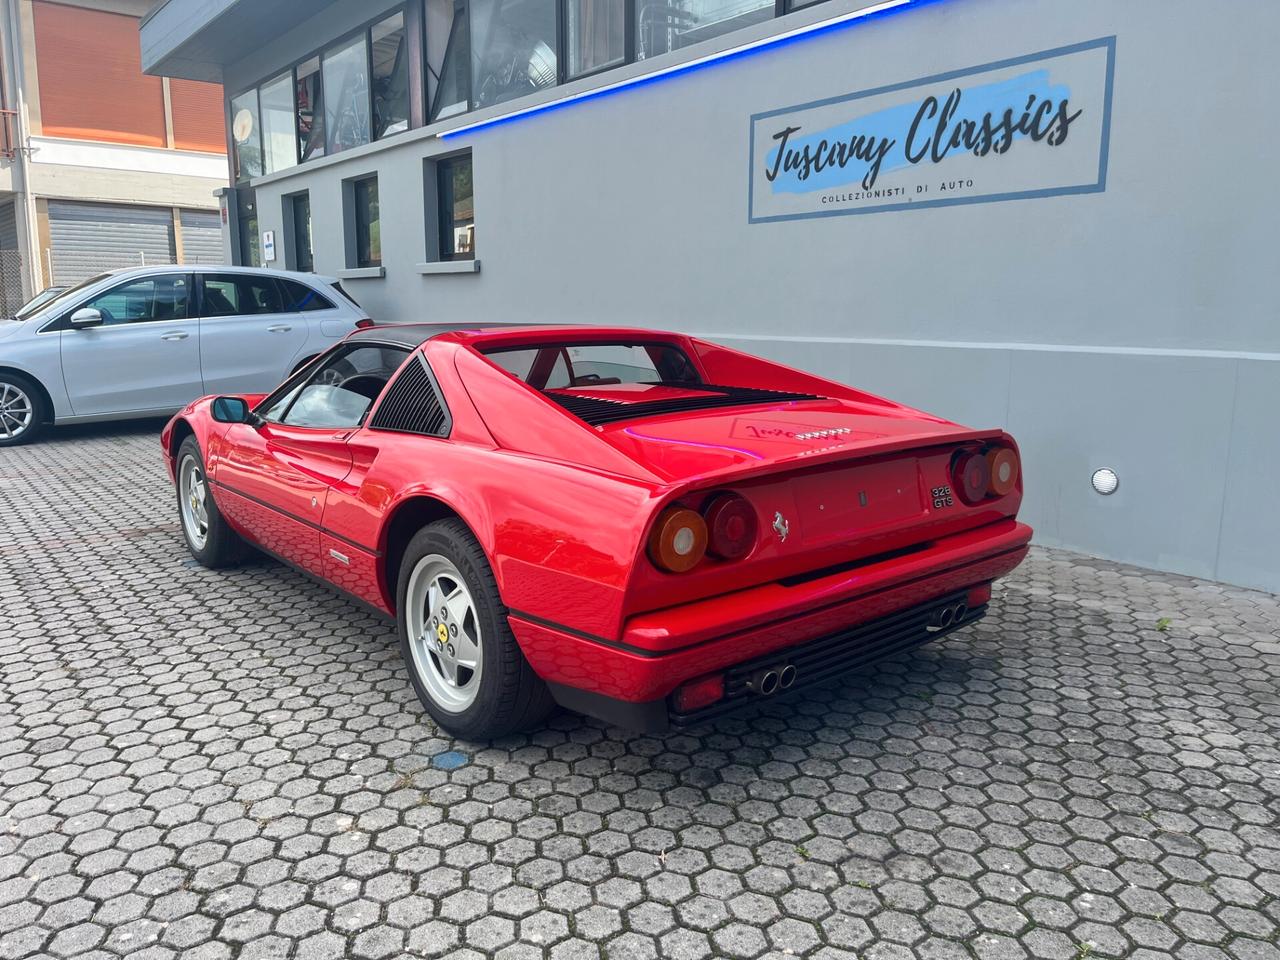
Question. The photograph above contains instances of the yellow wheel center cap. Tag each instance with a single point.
(442, 633)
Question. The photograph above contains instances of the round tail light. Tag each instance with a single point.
(1002, 464)
(731, 527)
(971, 476)
(678, 540)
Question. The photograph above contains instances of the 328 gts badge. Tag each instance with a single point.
(942, 497)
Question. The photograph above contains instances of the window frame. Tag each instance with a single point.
(422, 98)
(302, 376)
(351, 221)
(240, 276)
(292, 241)
(414, 34)
(433, 191)
(62, 322)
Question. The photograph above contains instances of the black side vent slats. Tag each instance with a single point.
(596, 411)
(413, 404)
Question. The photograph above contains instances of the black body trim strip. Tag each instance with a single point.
(376, 554)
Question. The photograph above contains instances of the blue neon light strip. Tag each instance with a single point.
(764, 43)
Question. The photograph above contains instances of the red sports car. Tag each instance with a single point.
(644, 527)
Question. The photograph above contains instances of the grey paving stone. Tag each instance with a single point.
(215, 765)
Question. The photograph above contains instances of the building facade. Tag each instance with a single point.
(1007, 212)
(101, 165)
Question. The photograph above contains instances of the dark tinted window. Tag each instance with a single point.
(560, 366)
(231, 295)
(142, 301)
(368, 223)
(341, 390)
(457, 209)
(298, 296)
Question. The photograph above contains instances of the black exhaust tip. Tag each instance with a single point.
(764, 681)
(786, 677)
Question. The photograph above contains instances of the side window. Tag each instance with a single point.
(230, 295)
(143, 301)
(300, 297)
(221, 298)
(341, 390)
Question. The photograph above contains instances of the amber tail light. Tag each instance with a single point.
(1002, 464)
(979, 474)
(678, 540)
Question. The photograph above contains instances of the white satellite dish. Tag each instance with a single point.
(242, 125)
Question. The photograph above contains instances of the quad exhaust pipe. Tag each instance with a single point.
(769, 680)
(949, 615)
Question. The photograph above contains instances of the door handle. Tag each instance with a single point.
(176, 335)
(279, 328)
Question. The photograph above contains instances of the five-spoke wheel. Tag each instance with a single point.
(444, 632)
(209, 537)
(22, 410)
(463, 661)
(192, 496)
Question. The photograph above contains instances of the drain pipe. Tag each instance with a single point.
(16, 65)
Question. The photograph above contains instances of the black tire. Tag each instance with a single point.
(21, 398)
(222, 546)
(510, 696)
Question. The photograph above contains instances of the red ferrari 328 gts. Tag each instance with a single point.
(640, 526)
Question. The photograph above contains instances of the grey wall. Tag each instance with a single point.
(1134, 328)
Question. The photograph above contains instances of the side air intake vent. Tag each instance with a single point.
(597, 411)
(413, 404)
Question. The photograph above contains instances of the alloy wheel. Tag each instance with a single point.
(16, 411)
(193, 495)
(444, 633)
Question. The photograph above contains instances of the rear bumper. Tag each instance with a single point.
(659, 651)
(813, 663)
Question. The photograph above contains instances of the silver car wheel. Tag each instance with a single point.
(193, 495)
(444, 633)
(16, 411)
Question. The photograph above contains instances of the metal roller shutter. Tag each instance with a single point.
(10, 261)
(201, 236)
(88, 238)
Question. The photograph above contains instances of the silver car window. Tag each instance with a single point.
(144, 300)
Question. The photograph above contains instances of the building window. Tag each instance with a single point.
(297, 221)
(345, 71)
(366, 250)
(596, 32)
(456, 208)
(247, 223)
(514, 49)
(275, 100)
(246, 136)
(309, 110)
(389, 53)
(448, 57)
(663, 27)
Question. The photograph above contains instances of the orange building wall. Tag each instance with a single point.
(92, 86)
(197, 116)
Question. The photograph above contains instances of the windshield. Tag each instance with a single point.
(52, 295)
(566, 365)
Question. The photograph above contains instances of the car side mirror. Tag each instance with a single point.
(231, 410)
(86, 317)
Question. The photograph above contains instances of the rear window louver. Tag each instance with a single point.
(596, 412)
(413, 404)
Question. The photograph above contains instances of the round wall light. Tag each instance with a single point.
(1105, 481)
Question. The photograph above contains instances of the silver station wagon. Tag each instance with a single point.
(146, 341)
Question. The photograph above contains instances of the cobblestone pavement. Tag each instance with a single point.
(204, 764)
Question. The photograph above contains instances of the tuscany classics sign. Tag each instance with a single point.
(1033, 126)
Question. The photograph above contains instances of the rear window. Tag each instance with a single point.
(561, 366)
